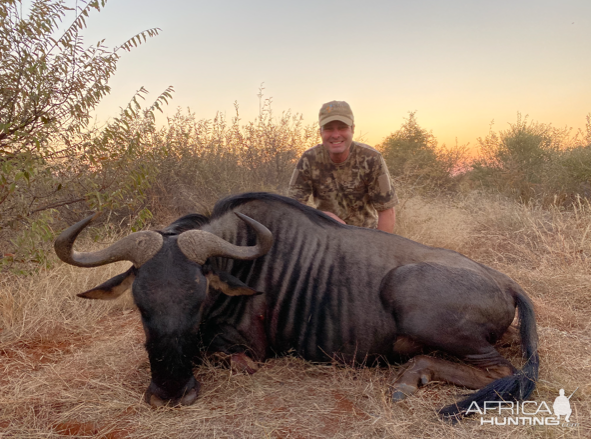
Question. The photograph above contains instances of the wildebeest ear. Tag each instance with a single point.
(112, 288)
(227, 284)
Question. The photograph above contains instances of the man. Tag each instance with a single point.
(347, 180)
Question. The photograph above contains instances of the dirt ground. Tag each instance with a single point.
(82, 385)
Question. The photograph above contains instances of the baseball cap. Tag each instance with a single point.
(335, 110)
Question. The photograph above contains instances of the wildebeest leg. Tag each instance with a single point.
(243, 363)
(238, 362)
(458, 311)
(483, 369)
(510, 337)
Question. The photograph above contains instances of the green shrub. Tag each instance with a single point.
(205, 160)
(415, 160)
(53, 167)
(536, 162)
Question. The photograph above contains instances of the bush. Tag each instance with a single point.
(415, 160)
(205, 160)
(532, 161)
(51, 162)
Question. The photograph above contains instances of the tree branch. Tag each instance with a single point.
(53, 206)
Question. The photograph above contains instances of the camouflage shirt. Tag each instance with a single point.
(354, 190)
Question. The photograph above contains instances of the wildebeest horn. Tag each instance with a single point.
(138, 247)
(199, 245)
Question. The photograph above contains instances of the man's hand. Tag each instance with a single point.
(333, 216)
(387, 220)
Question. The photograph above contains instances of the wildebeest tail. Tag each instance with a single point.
(516, 387)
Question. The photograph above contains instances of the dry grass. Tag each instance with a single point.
(70, 367)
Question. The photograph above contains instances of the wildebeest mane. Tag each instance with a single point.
(184, 223)
(233, 201)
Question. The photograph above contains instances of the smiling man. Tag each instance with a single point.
(347, 180)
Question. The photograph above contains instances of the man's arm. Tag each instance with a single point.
(382, 194)
(387, 220)
(300, 186)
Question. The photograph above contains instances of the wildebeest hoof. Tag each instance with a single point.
(402, 391)
(191, 396)
(398, 396)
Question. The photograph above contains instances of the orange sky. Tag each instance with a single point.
(459, 64)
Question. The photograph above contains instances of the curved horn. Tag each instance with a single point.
(138, 247)
(199, 245)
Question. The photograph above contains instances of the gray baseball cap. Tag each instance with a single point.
(335, 110)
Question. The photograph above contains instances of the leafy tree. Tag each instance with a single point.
(49, 86)
(532, 161)
(204, 160)
(49, 156)
(516, 160)
(413, 157)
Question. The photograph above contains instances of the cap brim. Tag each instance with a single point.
(343, 119)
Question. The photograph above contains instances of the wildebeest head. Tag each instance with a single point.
(170, 286)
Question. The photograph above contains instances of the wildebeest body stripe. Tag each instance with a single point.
(305, 314)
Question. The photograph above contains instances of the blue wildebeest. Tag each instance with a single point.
(329, 291)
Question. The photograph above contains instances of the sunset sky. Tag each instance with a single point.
(460, 64)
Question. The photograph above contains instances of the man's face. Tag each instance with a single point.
(337, 137)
